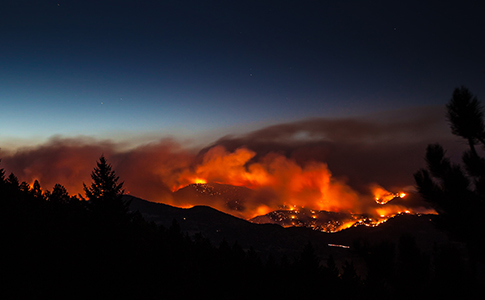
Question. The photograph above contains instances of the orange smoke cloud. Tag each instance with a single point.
(155, 170)
(65, 161)
(277, 181)
(280, 165)
(148, 171)
(223, 167)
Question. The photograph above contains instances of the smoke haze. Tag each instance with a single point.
(320, 163)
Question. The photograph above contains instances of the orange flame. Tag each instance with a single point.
(382, 196)
(276, 180)
(155, 171)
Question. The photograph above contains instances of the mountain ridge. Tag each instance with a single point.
(273, 239)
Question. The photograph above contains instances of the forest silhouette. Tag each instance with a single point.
(57, 245)
(458, 192)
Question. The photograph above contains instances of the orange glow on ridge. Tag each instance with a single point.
(275, 179)
(260, 184)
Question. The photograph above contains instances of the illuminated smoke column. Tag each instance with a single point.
(318, 164)
(277, 181)
(156, 170)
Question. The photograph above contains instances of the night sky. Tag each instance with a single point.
(356, 89)
(145, 69)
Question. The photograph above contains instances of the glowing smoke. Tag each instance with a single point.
(286, 164)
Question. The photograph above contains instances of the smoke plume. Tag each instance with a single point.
(328, 164)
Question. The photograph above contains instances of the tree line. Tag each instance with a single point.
(457, 191)
(55, 245)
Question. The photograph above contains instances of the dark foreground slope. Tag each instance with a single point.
(272, 238)
(58, 250)
(405, 257)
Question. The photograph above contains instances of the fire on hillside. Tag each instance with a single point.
(235, 199)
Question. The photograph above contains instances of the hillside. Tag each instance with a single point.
(273, 238)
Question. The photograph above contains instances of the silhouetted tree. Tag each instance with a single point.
(13, 181)
(24, 187)
(475, 167)
(443, 183)
(36, 191)
(12, 187)
(2, 175)
(3, 184)
(105, 193)
(466, 117)
(457, 195)
(59, 194)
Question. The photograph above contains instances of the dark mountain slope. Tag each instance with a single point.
(272, 238)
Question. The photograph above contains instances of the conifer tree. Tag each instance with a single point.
(465, 115)
(59, 194)
(2, 181)
(105, 193)
(13, 181)
(2, 175)
(36, 191)
(458, 194)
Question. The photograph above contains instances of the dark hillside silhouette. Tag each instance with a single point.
(55, 245)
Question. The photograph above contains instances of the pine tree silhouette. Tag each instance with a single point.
(466, 117)
(36, 191)
(59, 194)
(105, 193)
(457, 194)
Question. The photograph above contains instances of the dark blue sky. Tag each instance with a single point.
(126, 69)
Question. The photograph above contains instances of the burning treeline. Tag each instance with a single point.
(157, 171)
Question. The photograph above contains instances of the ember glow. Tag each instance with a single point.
(382, 196)
(241, 182)
(295, 195)
(276, 181)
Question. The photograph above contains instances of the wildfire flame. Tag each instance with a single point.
(280, 182)
(277, 181)
(382, 196)
(157, 172)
